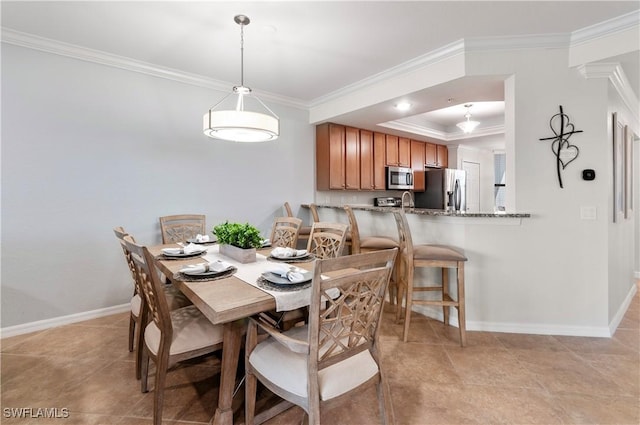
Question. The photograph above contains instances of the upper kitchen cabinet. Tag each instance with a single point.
(443, 156)
(417, 165)
(379, 161)
(436, 156)
(337, 157)
(367, 153)
(398, 151)
(431, 155)
(372, 160)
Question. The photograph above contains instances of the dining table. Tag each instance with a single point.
(227, 301)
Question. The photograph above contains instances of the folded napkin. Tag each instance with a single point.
(282, 252)
(202, 238)
(294, 274)
(215, 266)
(189, 249)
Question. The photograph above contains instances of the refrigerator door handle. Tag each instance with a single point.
(458, 195)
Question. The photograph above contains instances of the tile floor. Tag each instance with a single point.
(497, 379)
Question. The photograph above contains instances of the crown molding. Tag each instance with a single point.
(605, 28)
(30, 41)
(442, 135)
(617, 77)
(520, 42)
(445, 52)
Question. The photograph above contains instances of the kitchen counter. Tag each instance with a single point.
(427, 212)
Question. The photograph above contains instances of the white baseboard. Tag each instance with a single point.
(64, 320)
(517, 328)
(613, 325)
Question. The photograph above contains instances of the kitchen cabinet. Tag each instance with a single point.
(404, 152)
(352, 158)
(417, 165)
(443, 156)
(398, 151)
(431, 155)
(337, 157)
(379, 161)
(391, 149)
(436, 156)
(367, 166)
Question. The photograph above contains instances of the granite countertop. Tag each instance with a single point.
(424, 211)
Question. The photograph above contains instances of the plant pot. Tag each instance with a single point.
(239, 254)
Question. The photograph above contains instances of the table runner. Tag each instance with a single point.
(250, 272)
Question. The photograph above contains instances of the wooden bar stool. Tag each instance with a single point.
(442, 256)
(364, 244)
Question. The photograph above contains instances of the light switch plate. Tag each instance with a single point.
(588, 213)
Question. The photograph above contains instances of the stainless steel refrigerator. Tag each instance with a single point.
(445, 189)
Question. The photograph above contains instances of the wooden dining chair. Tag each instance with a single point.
(444, 257)
(337, 353)
(284, 232)
(175, 299)
(303, 233)
(171, 336)
(136, 300)
(179, 228)
(361, 244)
(327, 240)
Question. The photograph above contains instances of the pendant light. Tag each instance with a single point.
(240, 125)
(468, 126)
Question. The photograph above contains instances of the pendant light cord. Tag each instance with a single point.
(242, 54)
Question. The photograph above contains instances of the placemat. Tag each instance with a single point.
(190, 278)
(306, 259)
(265, 284)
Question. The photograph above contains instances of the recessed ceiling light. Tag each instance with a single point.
(403, 106)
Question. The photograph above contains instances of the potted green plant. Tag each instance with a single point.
(238, 241)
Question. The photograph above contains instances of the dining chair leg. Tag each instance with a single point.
(158, 396)
(139, 351)
(251, 382)
(144, 372)
(132, 329)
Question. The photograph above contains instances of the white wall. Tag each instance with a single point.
(86, 147)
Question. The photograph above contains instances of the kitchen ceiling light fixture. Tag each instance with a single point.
(403, 106)
(468, 126)
(240, 125)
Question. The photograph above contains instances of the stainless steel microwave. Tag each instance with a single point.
(399, 178)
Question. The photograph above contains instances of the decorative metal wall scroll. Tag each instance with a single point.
(564, 151)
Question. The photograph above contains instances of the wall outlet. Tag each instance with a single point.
(588, 213)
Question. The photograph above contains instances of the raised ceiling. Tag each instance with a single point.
(298, 51)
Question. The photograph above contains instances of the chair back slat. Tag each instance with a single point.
(179, 228)
(284, 232)
(346, 310)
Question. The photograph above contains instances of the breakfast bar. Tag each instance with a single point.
(506, 285)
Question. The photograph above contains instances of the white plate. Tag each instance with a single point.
(211, 240)
(279, 280)
(190, 254)
(296, 257)
(209, 273)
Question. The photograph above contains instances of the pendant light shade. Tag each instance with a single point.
(240, 125)
(468, 126)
